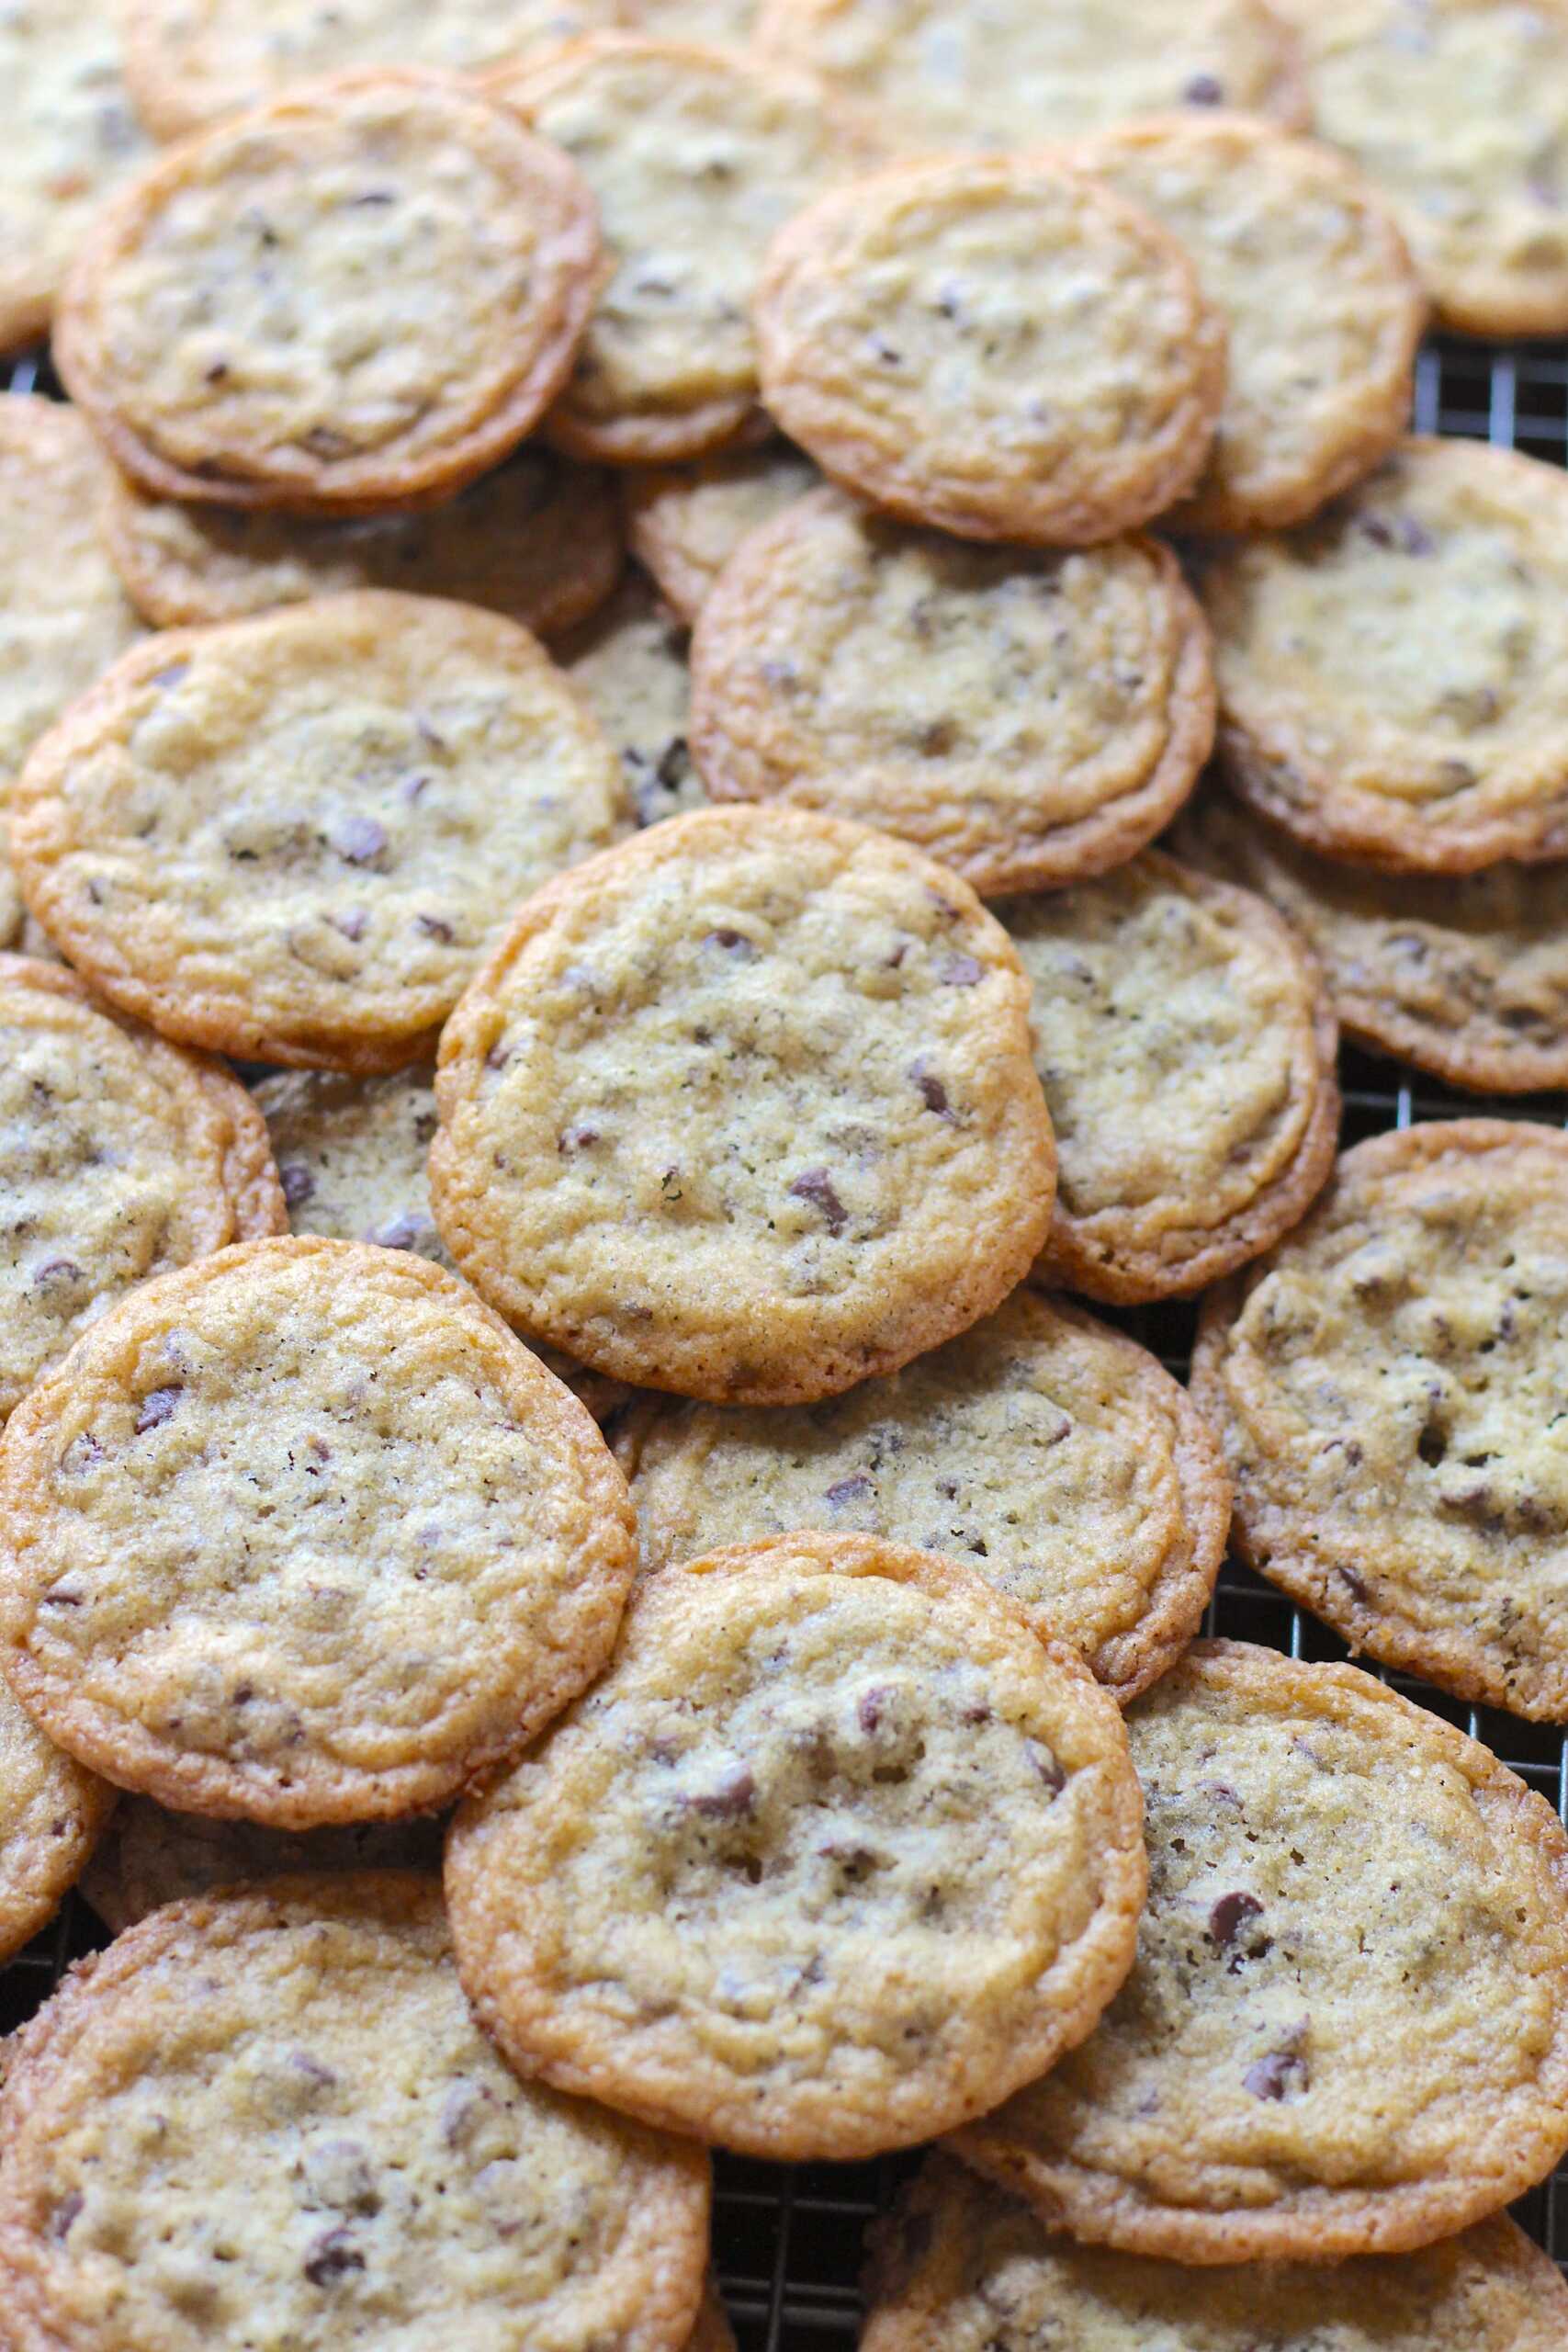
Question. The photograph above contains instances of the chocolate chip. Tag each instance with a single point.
(1357, 1587)
(64, 2213)
(577, 1138)
(157, 1407)
(848, 1490)
(1272, 2076)
(933, 1093)
(63, 1595)
(59, 1270)
(734, 943)
(296, 1181)
(959, 972)
(353, 924)
(1227, 1921)
(815, 1186)
(1400, 532)
(436, 927)
(675, 763)
(374, 196)
(331, 2257)
(1046, 1765)
(731, 1799)
(873, 1705)
(359, 839)
(1203, 90)
(397, 1233)
(81, 1455)
(216, 372)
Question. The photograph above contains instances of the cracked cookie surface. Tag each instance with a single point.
(997, 346)
(362, 294)
(1056, 1460)
(1386, 1387)
(268, 2116)
(834, 1853)
(1394, 675)
(413, 1545)
(1027, 717)
(1187, 1050)
(293, 838)
(745, 1108)
(1346, 2030)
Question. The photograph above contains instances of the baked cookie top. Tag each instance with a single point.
(686, 521)
(191, 63)
(957, 2268)
(1459, 111)
(835, 1854)
(629, 664)
(1055, 1459)
(293, 838)
(363, 293)
(1346, 2028)
(303, 1535)
(696, 157)
(269, 2112)
(149, 1855)
(1011, 73)
(70, 138)
(1187, 1050)
(745, 1108)
(1321, 306)
(51, 1813)
(1026, 716)
(538, 539)
(1465, 974)
(120, 1157)
(1383, 1386)
(64, 615)
(1393, 677)
(996, 345)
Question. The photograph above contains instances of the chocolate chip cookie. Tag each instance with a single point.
(1346, 2028)
(1321, 306)
(293, 838)
(149, 1855)
(1187, 1050)
(120, 1157)
(997, 346)
(70, 138)
(686, 521)
(1465, 974)
(629, 664)
(836, 1854)
(271, 2110)
(1055, 1458)
(361, 294)
(303, 1535)
(1393, 677)
(695, 157)
(745, 1108)
(1458, 110)
(957, 2268)
(1025, 716)
(949, 75)
(1384, 1386)
(539, 539)
(51, 1811)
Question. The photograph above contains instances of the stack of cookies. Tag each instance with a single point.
(577, 1584)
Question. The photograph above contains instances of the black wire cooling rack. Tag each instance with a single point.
(788, 2240)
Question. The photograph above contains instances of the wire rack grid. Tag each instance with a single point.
(788, 2240)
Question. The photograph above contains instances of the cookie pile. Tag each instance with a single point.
(577, 1584)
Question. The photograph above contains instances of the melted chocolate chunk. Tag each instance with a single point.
(158, 1406)
(815, 1186)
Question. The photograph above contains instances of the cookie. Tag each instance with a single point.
(192, 62)
(827, 1782)
(64, 615)
(120, 1157)
(695, 157)
(686, 521)
(303, 1535)
(1027, 717)
(1053, 1458)
(149, 1855)
(538, 539)
(745, 1108)
(1464, 975)
(1382, 1385)
(629, 665)
(956, 2268)
(1393, 677)
(294, 838)
(1187, 1050)
(997, 346)
(1321, 307)
(70, 138)
(268, 2115)
(351, 1155)
(1346, 2027)
(360, 294)
(946, 75)
(713, 2332)
(1459, 110)
(51, 1813)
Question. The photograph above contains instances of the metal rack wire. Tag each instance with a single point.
(788, 2240)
